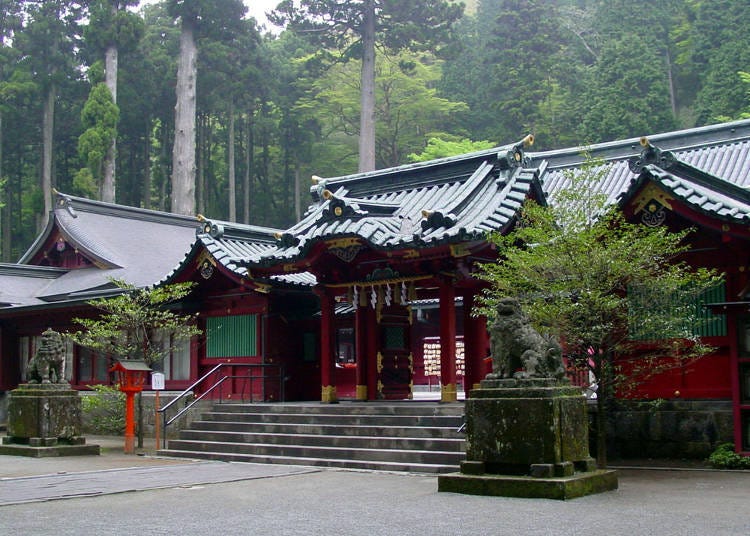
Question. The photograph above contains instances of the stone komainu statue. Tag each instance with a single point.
(47, 364)
(518, 350)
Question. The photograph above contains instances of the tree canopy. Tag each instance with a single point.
(577, 266)
(137, 324)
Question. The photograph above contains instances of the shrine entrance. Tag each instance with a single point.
(395, 362)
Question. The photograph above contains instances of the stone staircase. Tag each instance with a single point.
(394, 436)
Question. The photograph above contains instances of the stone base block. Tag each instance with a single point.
(562, 488)
(60, 449)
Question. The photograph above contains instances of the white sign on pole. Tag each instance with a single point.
(157, 381)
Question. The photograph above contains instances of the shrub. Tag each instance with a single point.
(724, 457)
(104, 410)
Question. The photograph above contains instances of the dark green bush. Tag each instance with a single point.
(724, 457)
(104, 410)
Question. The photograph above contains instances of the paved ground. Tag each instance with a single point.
(118, 494)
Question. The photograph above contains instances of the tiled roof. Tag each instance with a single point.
(133, 244)
(708, 167)
(416, 206)
(20, 284)
(462, 198)
(230, 244)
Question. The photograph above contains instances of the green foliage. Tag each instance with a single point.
(571, 264)
(138, 323)
(99, 117)
(441, 148)
(104, 410)
(408, 110)
(724, 457)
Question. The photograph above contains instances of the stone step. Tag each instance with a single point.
(322, 452)
(348, 408)
(337, 419)
(338, 441)
(314, 462)
(380, 436)
(329, 429)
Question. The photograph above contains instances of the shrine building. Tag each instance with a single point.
(370, 295)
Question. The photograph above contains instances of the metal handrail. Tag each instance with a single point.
(216, 385)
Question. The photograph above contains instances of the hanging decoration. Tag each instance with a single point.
(355, 296)
(373, 298)
(388, 295)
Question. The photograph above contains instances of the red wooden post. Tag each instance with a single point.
(448, 392)
(475, 345)
(360, 341)
(327, 326)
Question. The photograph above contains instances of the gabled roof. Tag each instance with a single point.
(20, 284)
(707, 168)
(229, 244)
(415, 206)
(461, 198)
(129, 243)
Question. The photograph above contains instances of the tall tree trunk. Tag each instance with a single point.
(108, 177)
(297, 185)
(146, 185)
(4, 202)
(670, 80)
(183, 154)
(48, 123)
(200, 181)
(230, 155)
(248, 169)
(367, 97)
(163, 165)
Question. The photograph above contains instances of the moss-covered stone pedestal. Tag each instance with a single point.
(527, 438)
(45, 420)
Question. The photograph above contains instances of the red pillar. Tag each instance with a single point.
(475, 345)
(328, 387)
(448, 392)
(363, 358)
(129, 420)
(371, 341)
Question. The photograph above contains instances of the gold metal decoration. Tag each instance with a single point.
(263, 288)
(346, 254)
(652, 193)
(380, 362)
(361, 393)
(448, 393)
(459, 250)
(328, 394)
(343, 242)
(380, 389)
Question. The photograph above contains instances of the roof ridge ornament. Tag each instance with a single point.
(651, 155)
(515, 156)
(214, 230)
(63, 201)
(286, 240)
